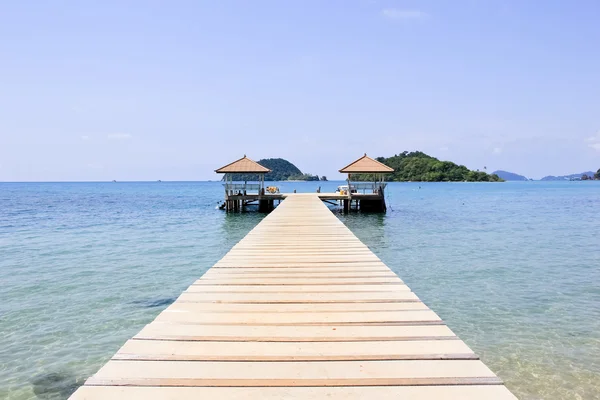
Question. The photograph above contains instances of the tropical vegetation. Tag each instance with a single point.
(281, 170)
(418, 166)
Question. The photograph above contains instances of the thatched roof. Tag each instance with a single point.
(243, 166)
(366, 165)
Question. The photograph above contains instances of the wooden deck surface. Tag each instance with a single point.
(298, 309)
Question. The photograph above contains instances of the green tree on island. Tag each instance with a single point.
(281, 170)
(419, 167)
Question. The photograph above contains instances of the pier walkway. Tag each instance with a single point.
(298, 309)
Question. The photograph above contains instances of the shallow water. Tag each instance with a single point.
(513, 268)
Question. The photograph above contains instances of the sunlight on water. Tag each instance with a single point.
(513, 268)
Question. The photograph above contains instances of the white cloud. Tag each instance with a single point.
(399, 14)
(85, 137)
(497, 150)
(119, 136)
(444, 148)
(594, 141)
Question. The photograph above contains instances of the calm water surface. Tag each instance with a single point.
(513, 268)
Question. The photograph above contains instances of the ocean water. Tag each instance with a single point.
(513, 269)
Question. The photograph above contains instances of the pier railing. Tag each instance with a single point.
(241, 188)
(367, 187)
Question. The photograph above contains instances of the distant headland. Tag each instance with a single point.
(583, 176)
(510, 176)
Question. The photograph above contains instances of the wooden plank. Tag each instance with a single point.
(154, 350)
(342, 373)
(299, 271)
(338, 246)
(294, 357)
(333, 265)
(487, 392)
(295, 308)
(307, 333)
(295, 258)
(297, 297)
(291, 382)
(262, 281)
(409, 317)
(244, 273)
(211, 288)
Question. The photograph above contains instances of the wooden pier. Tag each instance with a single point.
(239, 193)
(298, 309)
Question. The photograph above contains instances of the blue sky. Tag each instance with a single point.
(127, 90)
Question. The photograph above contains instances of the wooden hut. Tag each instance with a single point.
(238, 188)
(369, 195)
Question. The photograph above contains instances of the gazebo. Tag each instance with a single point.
(367, 165)
(234, 172)
(372, 196)
(237, 189)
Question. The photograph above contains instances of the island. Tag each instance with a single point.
(281, 170)
(419, 167)
(591, 176)
(572, 177)
(510, 176)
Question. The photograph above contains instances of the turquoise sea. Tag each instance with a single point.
(513, 268)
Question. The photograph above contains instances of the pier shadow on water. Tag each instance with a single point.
(158, 302)
(55, 385)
